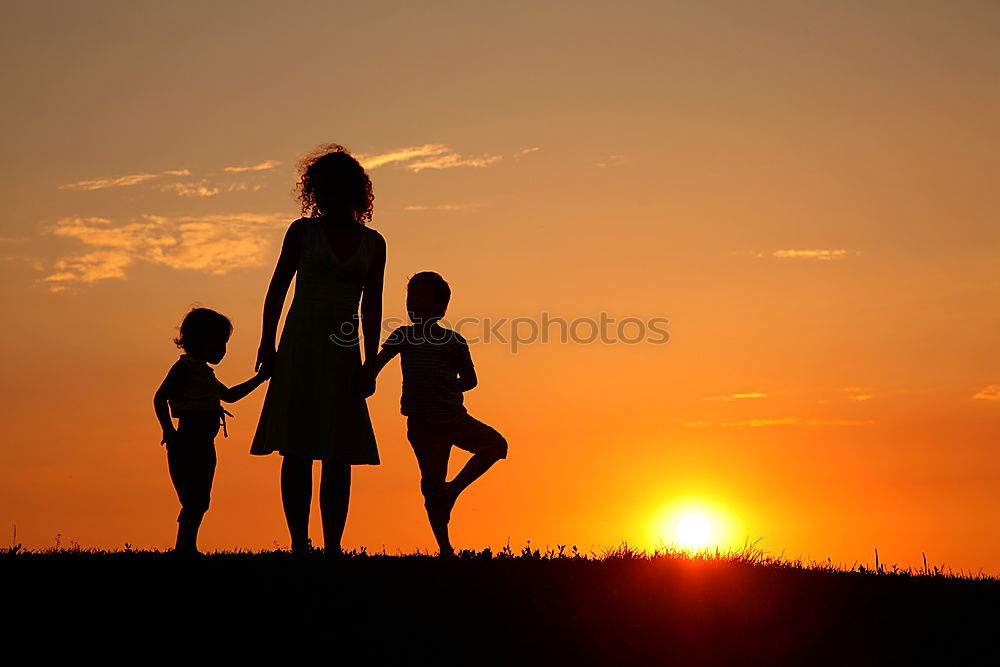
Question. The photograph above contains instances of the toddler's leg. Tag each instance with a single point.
(192, 470)
(487, 447)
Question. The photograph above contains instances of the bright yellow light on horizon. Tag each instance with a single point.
(695, 524)
(693, 531)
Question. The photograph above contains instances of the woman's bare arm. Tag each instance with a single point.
(284, 271)
(371, 301)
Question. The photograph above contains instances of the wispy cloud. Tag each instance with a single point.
(440, 207)
(102, 183)
(263, 166)
(735, 397)
(764, 422)
(450, 161)
(784, 421)
(429, 156)
(529, 150)
(401, 155)
(611, 161)
(839, 422)
(121, 181)
(820, 254)
(197, 189)
(990, 392)
(215, 243)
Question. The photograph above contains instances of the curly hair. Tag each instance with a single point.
(330, 176)
(204, 322)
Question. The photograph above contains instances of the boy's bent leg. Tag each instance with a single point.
(487, 447)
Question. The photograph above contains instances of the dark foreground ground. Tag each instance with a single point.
(484, 609)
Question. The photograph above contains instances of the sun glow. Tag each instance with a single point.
(694, 525)
(693, 531)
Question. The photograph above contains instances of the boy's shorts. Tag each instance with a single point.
(433, 437)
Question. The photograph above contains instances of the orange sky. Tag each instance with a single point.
(806, 190)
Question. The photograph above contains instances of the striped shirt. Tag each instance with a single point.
(431, 366)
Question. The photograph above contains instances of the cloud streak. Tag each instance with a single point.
(611, 161)
(197, 189)
(103, 183)
(440, 207)
(215, 244)
(821, 255)
(990, 392)
(121, 181)
(263, 166)
(784, 421)
(735, 397)
(428, 156)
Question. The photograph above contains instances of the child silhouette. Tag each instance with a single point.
(193, 395)
(437, 369)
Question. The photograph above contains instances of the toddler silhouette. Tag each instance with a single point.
(192, 394)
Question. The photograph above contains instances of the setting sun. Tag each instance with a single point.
(693, 531)
(695, 524)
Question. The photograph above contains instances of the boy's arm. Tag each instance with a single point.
(467, 379)
(236, 392)
(466, 371)
(373, 367)
(383, 357)
(167, 389)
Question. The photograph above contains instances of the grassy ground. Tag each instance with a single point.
(555, 608)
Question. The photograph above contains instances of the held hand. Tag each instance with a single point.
(265, 360)
(169, 437)
(365, 382)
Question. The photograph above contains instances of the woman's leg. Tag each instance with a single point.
(334, 497)
(296, 497)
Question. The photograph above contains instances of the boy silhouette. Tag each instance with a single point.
(437, 369)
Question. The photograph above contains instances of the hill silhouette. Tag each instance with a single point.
(558, 607)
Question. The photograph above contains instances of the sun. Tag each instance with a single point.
(693, 530)
(695, 524)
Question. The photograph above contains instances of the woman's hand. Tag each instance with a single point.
(265, 360)
(364, 381)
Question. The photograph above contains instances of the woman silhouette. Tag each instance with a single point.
(313, 410)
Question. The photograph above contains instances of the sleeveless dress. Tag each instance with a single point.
(312, 409)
